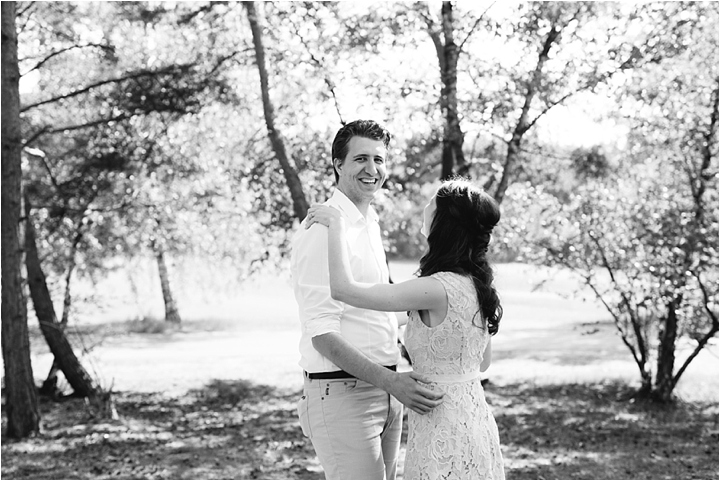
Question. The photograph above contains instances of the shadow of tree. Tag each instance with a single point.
(597, 431)
(233, 429)
(227, 430)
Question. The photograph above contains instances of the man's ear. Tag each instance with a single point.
(337, 163)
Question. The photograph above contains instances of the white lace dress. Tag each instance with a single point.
(459, 439)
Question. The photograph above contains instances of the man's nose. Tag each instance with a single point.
(371, 168)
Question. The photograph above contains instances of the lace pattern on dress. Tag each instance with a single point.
(459, 439)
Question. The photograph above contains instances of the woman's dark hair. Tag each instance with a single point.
(458, 241)
(358, 128)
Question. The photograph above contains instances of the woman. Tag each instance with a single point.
(455, 310)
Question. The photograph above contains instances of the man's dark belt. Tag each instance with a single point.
(337, 374)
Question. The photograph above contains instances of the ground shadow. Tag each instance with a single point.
(227, 430)
(597, 431)
(239, 430)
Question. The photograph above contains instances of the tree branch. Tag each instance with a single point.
(67, 49)
(700, 346)
(472, 29)
(434, 35)
(617, 321)
(28, 6)
(330, 84)
(186, 18)
(534, 84)
(43, 160)
(224, 59)
(88, 88)
(550, 106)
(629, 62)
(707, 156)
(628, 305)
(86, 125)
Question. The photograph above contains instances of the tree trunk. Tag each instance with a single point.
(21, 404)
(664, 379)
(49, 386)
(52, 330)
(67, 301)
(511, 159)
(447, 53)
(300, 204)
(171, 311)
(524, 123)
(453, 138)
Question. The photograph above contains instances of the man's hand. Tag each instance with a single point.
(406, 388)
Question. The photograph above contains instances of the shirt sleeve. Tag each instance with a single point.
(319, 312)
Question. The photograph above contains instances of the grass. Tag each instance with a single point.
(240, 430)
(195, 403)
(597, 431)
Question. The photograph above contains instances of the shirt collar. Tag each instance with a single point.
(350, 209)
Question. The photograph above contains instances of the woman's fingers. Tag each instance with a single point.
(321, 214)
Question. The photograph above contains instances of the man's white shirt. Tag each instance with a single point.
(372, 332)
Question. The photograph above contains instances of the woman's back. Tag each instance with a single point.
(458, 439)
(456, 345)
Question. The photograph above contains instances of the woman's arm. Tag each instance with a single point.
(415, 294)
(487, 357)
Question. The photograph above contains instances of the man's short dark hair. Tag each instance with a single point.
(358, 128)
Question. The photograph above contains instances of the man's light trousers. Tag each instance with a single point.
(354, 427)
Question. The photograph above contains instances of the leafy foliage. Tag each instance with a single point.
(143, 126)
(645, 238)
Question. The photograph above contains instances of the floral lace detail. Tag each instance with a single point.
(459, 439)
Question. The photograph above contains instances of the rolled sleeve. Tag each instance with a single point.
(319, 312)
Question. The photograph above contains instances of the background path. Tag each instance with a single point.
(548, 335)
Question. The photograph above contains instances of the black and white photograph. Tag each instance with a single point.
(471, 239)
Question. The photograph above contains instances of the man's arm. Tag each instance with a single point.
(323, 325)
(403, 386)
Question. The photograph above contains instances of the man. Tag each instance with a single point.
(351, 408)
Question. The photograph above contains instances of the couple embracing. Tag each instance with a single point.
(353, 396)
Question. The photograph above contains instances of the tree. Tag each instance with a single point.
(443, 38)
(52, 329)
(75, 150)
(524, 122)
(22, 405)
(300, 204)
(645, 239)
(94, 139)
(543, 57)
(172, 314)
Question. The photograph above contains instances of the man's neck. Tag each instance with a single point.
(363, 208)
(362, 205)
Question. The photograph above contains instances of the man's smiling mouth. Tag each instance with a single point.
(369, 181)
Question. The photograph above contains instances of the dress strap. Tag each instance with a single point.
(452, 378)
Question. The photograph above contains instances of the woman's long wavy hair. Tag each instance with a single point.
(458, 242)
